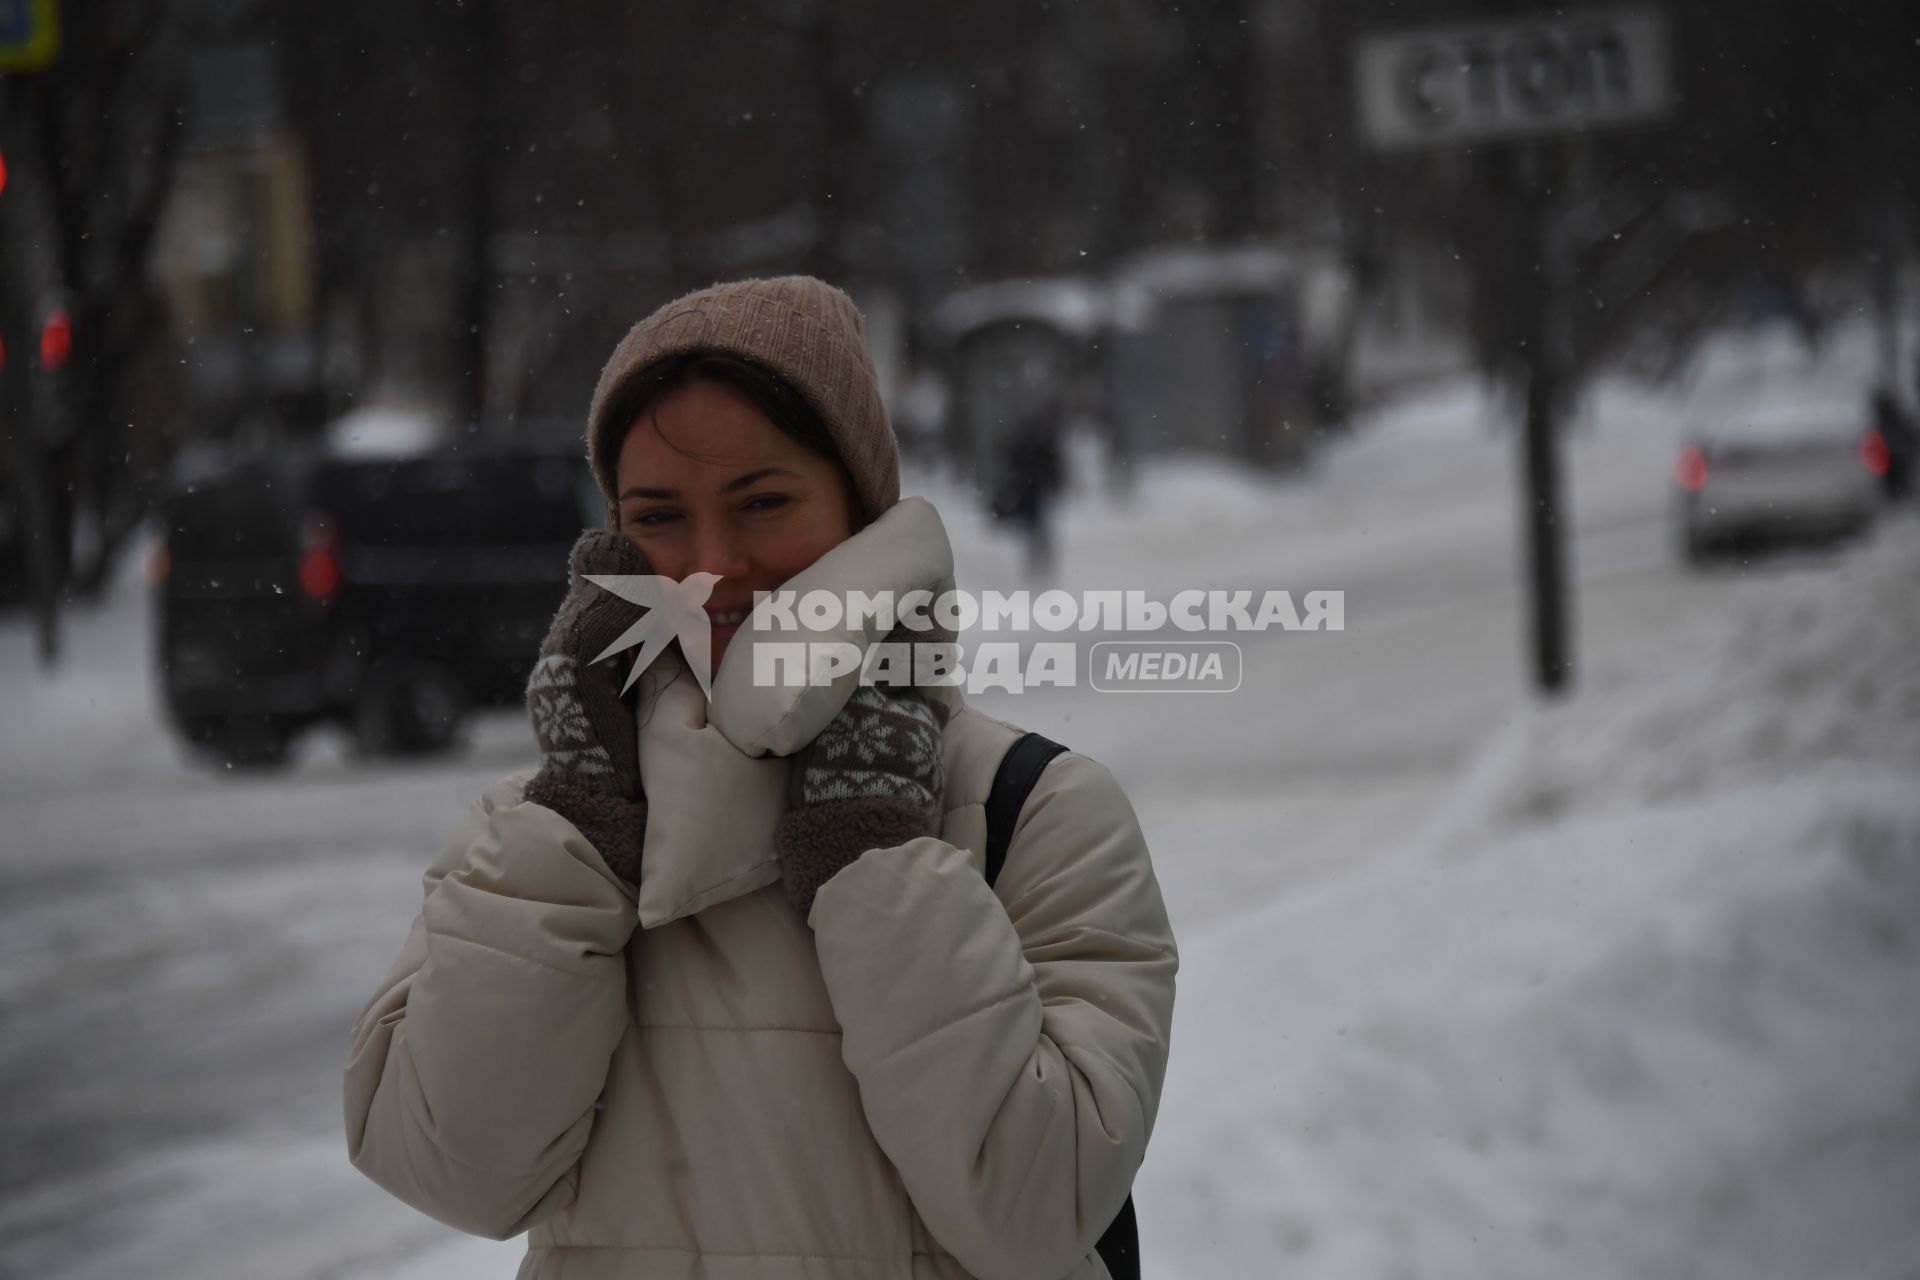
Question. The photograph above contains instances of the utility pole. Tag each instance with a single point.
(1544, 516)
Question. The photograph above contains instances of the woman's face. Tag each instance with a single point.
(708, 483)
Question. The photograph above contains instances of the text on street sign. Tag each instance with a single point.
(1434, 86)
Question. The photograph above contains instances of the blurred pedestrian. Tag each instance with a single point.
(719, 987)
(1030, 480)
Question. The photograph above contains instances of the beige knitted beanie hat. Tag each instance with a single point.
(801, 328)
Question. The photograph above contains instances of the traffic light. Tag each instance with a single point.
(56, 340)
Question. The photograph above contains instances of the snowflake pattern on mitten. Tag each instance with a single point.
(560, 726)
(879, 745)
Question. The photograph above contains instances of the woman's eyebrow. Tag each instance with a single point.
(755, 477)
(731, 486)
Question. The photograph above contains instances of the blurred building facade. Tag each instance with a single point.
(235, 248)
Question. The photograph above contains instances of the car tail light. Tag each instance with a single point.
(1690, 468)
(1873, 452)
(320, 562)
(159, 566)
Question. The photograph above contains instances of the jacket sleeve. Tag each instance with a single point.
(475, 1072)
(1009, 1057)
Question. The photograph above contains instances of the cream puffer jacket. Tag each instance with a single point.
(927, 1078)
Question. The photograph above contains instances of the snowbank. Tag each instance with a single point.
(1818, 680)
(1644, 1001)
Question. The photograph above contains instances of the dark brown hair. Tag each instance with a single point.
(773, 395)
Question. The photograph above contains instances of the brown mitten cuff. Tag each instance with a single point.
(584, 729)
(816, 842)
(616, 828)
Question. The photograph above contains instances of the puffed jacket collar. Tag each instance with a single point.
(716, 773)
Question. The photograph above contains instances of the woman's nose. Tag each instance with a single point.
(717, 549)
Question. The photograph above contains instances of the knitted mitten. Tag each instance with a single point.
(589, 756)
(870, 780)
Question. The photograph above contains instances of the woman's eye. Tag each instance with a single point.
(766, 502)
(653, 519)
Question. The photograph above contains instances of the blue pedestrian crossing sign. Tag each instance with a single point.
(29, 34)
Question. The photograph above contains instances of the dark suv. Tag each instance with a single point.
(390, 594)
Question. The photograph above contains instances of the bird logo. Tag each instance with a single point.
(674, 610)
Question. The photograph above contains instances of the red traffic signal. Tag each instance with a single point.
(56, 340)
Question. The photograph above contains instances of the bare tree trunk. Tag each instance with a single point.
(1225, 35)
(1885, 287)
(476, 294)
(110, 327)
(839, 121)
(25, 451)
(103, 189)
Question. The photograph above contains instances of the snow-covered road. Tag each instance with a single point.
(1469, 988)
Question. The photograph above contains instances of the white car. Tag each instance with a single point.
(1791, 464)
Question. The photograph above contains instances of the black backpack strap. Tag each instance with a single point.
(1119, 1245)
(1012, 783)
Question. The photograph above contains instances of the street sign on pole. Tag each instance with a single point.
(29, 34)
(1433, 86)
(1516, 82)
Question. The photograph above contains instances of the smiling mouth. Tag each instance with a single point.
(728, 617)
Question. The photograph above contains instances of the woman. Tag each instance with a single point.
(723, 992)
